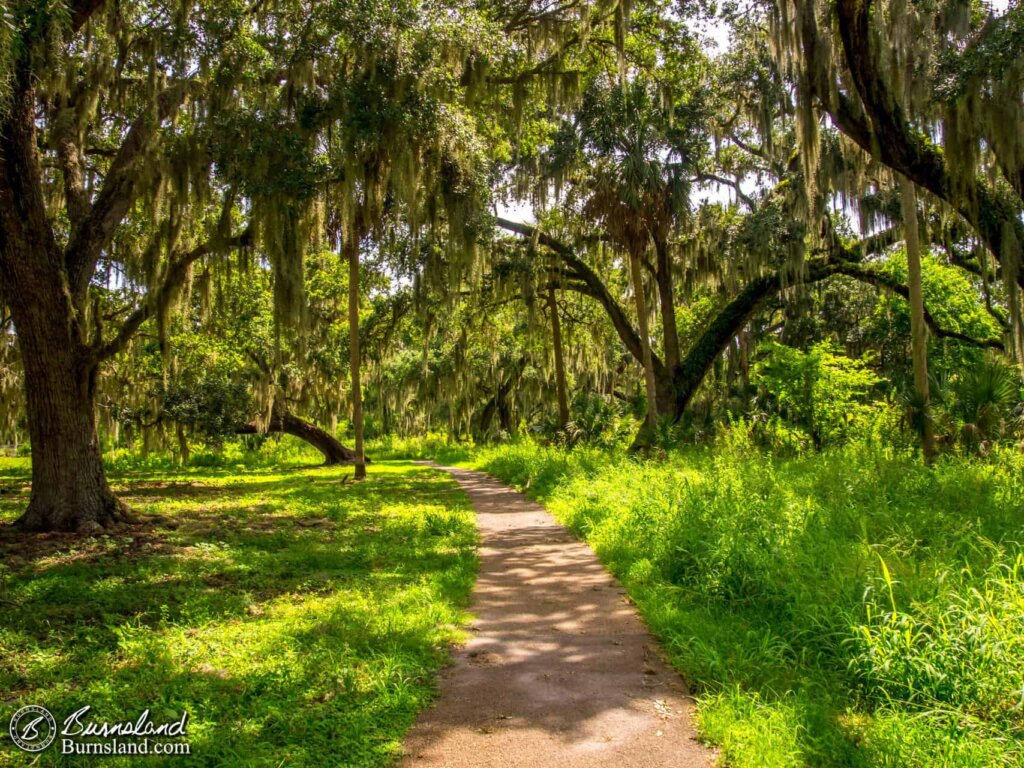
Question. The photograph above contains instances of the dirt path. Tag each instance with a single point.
(560, 671)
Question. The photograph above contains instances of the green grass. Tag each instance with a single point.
(298, 618)
(842, 609)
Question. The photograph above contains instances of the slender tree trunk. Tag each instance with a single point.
(183, 451)
(666, 297)
(352, 245)
(645, 339)
(918, 328)
(560, 387)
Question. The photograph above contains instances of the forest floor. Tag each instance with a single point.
(559, 670)
(297, 618)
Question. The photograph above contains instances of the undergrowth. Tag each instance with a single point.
(851, 608)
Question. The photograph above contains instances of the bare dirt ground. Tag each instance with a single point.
(560, 671)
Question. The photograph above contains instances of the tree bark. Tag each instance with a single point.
(560, 386)
(666, 298)
(183, 451)
(918, 328)
(287, 422)
(69, 486)
(352, 246)
(688, 375)
(650, 382)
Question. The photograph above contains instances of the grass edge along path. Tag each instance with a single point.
(851, 609)
(298, 618)
(560, 670)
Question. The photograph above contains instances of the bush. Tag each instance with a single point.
(821, 392)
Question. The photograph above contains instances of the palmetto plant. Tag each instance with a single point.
(983, 400)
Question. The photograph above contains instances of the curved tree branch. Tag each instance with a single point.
(176, 274)
(885, 130)
(879, 279)
(592, 285)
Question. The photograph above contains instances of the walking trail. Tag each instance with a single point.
(560, 671)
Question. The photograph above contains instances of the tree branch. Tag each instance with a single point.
(119, 191)
(866, 274)
(594, 287)
(885, 130)
(158, 298)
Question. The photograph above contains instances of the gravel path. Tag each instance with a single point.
(560, 671)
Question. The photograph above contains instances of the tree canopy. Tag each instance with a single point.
(182, 187)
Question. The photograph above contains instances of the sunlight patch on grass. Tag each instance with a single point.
(298, 618)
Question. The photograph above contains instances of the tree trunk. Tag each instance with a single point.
(352, 245)
(287, 422)
(666, 297)
(650, 381)
(183, 451)
(69, 486)
(918, 328)
(556, 336)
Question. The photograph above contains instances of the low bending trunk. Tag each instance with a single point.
(287, 422)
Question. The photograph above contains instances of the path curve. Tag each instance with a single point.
(560, 672)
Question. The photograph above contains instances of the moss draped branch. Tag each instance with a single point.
(154, 300)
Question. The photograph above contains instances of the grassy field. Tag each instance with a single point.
(843, 609)
(297, 618)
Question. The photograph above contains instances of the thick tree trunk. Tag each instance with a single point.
(352, 246)
(650, 381)
(560, 386)
(689, 374)
(918, 328)
(69, 486)
(287, 422)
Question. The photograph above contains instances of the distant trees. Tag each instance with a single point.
(691, 204)
(140, 146)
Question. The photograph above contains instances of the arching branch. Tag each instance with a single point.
(590, 284)
(285, 421)
(879, 279)
(159, 297)
(883, 128)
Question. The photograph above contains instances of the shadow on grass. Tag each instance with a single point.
(297, 618)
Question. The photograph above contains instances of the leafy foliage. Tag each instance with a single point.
(826, 394)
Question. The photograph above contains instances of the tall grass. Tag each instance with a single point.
(847, 608)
